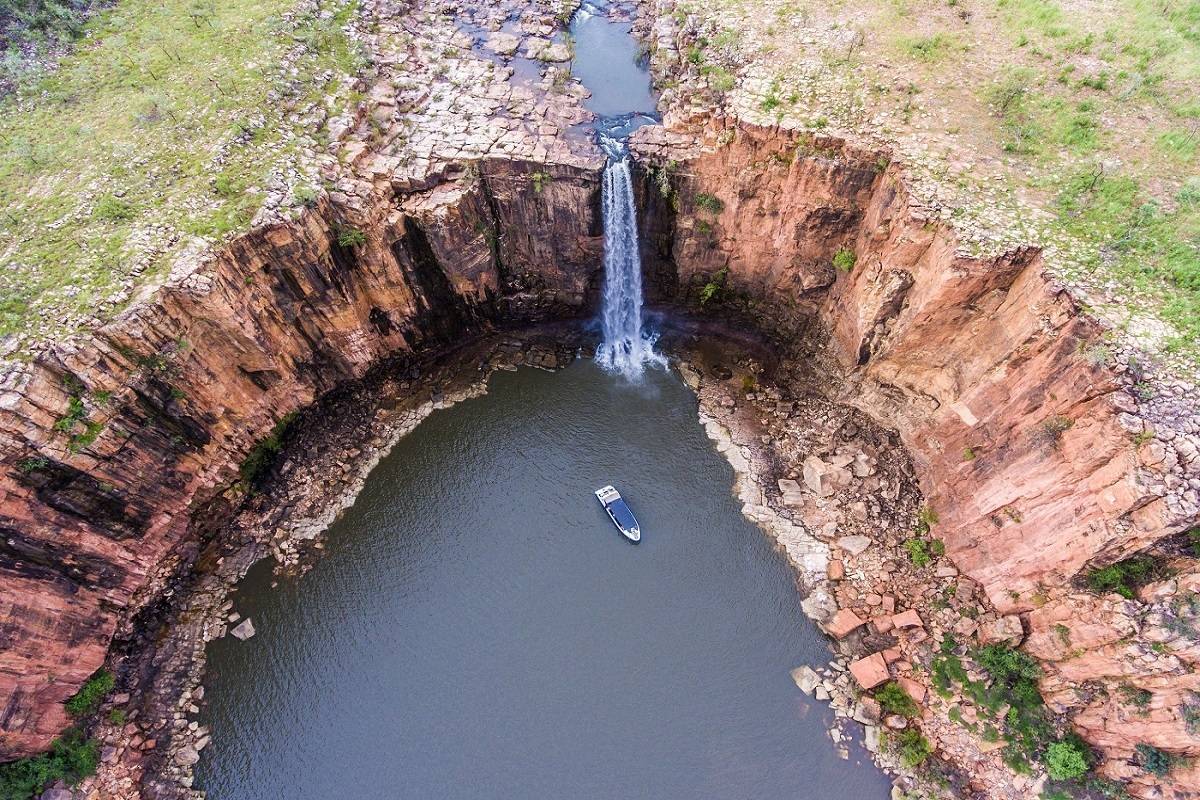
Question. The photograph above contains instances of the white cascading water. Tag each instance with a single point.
(626, 348)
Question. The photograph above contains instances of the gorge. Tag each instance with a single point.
(872, 381)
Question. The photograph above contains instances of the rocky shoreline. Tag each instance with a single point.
(319, 473)
(153, 751)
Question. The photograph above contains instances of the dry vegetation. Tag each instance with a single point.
(166, 129)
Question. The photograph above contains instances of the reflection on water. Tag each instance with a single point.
(478, 629)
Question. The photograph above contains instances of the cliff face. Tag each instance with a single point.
(1025, 437)
(1034, 448)
(117, 447)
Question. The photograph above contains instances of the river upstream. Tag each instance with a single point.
(479, 629)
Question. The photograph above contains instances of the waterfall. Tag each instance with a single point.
(626, 348)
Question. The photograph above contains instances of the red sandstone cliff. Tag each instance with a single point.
(1029, 440)
(112, 444)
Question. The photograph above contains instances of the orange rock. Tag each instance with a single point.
(915, 690)
(908, 619)
(843, 622)
(870, 671)
(836, 570)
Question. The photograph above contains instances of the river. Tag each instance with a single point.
(478, 628)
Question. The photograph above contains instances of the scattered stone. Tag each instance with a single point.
(836, 570)
(908, 619)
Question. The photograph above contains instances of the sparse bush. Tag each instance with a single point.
(844, 259)
(1065, 761)
(262, 455)
(1153, 760)
(1123, 577)
(894, 700)
(712, 289)
(349, 237)
(914, 749)
(710, 203)
(89, 697)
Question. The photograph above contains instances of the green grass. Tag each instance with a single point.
(1153, 250)
(930, 49)
(162, 119)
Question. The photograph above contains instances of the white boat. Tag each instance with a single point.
(619, 513)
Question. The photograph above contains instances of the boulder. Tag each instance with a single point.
(854, 545)
(870, 671)
(843, 622)
(503, 44)
(244, 631)
(792, 494)
(823, 478)
(908, 619)
(806, 678)
(1003, 629)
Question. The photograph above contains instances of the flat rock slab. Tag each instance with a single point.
(908, 619)
(871, 671)
(503, 44)
(854, 545)
(806, 678)
(843, 622)
(244, 631)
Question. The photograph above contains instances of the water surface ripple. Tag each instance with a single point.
(478, 629)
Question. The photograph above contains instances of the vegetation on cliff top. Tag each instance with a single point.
(167, 126)
(1074, 125)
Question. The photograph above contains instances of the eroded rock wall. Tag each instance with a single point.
(1040, 448)
(116, 446)
(1029, 445)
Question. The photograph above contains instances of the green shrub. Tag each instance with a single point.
(262, 455)
(349, 237)
(709, 203)
(914, 749)
(1065, 761)
(918, 552)
(894, 700)
(540, 180)
(71, 758)
(1153, 760)
(1123, 577)
(844, 259)
(89, 697)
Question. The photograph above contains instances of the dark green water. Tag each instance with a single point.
(478, 629)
